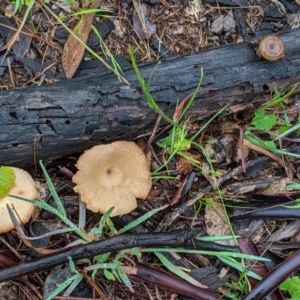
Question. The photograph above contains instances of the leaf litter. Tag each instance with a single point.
(187, 211)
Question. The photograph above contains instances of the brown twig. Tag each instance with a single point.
(265, 152)
(287, 268)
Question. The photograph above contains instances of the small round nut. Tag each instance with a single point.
(271, 48)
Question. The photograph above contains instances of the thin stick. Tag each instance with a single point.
(116, 243)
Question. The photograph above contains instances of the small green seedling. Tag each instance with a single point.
(267, 129)
(263, 121)
(291, 286)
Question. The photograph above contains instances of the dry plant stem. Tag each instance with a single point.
(287, 268)
(11, 248)
(93, 284)
(11, 74)
(265, 152)
(15, 36)
(41, 74)
(173, 283)
(126, 241)
(241, 142)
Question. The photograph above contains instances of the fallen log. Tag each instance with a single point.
(55, 120)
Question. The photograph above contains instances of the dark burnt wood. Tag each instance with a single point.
(70, 116)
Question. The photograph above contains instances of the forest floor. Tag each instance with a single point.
(220, 183)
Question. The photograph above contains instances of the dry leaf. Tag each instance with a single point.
(73, 49)
(215, 222)
(141, 24)
(15, 36)
(183, 165)
(177, 195)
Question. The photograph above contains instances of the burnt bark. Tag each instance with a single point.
(67, 117)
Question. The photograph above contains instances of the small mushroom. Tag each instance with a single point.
(24, 187)
(112, 175)
(271, 48)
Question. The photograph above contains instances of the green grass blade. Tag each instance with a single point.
(146, 89)
(206, 252)
(62, 286)
(99, 230)
(287, 132)
(259, 142)
(192, 98)
(123, 276)
(89, 11)
(141, 219)
(208, 122)
(53, 192)
(90, 50)
(40, 204)
(278, 98)
(217, 238)
(293, 185)
(238, 266)
(175, 270)
(107, 52)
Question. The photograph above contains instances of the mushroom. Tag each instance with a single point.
(24, 187)
(271, 48)
(112, 175)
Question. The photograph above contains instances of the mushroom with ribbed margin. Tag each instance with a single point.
(16, 182)
(112, 175)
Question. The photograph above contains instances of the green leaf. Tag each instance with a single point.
(270, 145)
(98, 230)
(291, 286)
(263, 121)
(123, 276)
(7, 180)
(293, 185)
(109, 275)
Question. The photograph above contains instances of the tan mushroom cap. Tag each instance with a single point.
(271, 47)
(112, 175)
(25, 188)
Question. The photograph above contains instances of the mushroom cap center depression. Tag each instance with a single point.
(110, 177)
(273, 48)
